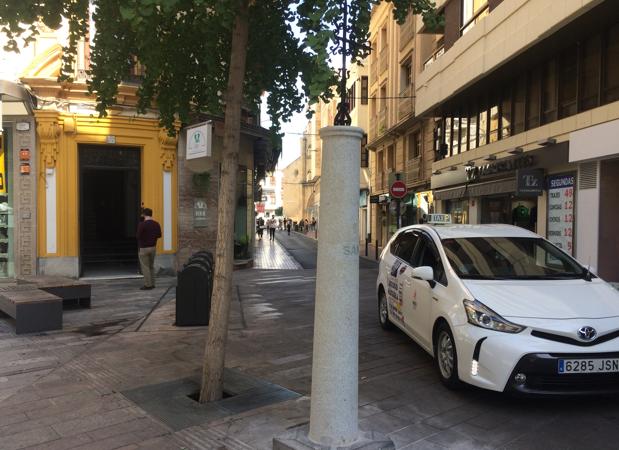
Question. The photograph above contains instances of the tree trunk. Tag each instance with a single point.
(214, 354)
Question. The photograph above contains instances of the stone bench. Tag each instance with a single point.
(68, 289)
(34, 310)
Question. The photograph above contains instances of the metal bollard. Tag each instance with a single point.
(376, 249)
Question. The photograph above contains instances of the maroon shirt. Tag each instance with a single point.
(148, 233)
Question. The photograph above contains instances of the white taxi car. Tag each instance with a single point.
(501, 308)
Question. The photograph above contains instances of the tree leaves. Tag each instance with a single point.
(184, 46)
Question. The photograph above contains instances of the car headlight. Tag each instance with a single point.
(480, 315)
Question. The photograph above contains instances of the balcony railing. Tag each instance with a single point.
(405, 102)
(373, 128)
(382, 121)
(413, 170)
(437, 54)
(374, 71)
(407, 31)
(382, 181)
(383, 59)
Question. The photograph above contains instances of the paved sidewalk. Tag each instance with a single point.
(271, 255)
(68, 389)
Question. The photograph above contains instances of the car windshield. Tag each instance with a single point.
(492, 258)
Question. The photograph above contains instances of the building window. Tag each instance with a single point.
(506, 114)
(483, 128)
(352, 96)
(611, 63)
(406, 74)
(364, 90)
(494, 124)
(590, 73)
(568, 82)
(448, 136)
(439, 126)
(390, 157)
(519, 107)
(365, 153)
(473, 132)
(533, 99)
(383, 97)
(549, 92)
(472, 12)
(414, 145)
(464, 133)
(455, 135)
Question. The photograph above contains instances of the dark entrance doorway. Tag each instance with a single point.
(109, 209)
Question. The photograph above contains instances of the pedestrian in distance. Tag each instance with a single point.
(148, 233)
(272, 226)
(260, 227)
(288, 225)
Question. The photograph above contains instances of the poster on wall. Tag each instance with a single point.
(561, 211)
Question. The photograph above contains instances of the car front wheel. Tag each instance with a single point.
(446, 357)
(383, 313)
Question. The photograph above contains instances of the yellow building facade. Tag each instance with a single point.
(62, 139)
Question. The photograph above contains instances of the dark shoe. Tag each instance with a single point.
(147, 288)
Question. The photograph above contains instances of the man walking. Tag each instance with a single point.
(148, 233)
(272, 225)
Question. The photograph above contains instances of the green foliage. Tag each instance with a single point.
(241, 248)
(185, 47)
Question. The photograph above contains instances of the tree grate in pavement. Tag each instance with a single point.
(204, 438)
(170, 402)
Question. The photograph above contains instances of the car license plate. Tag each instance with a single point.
(602, 365)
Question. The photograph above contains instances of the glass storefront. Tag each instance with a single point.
(459, 210)
(7, 265)
(510, 209)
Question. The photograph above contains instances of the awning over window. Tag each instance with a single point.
(15, 100)
(477, 190)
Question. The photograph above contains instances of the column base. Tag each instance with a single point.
(296, 439)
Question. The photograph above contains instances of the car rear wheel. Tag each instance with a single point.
(383, 311)
(446, 357)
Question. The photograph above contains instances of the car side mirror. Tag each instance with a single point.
(425, 273)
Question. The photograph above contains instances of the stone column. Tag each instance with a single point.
(335, 365)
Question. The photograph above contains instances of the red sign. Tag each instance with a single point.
(398, 189)
(260, 207)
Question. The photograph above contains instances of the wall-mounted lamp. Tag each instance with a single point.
(470, 164)
(490, 158)
(547, 141)
(436, 172)
(453, 168)
(516, 151)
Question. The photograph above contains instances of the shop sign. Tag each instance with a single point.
(199, 141)
(260, 207)
(561, 211)
(199, 213)
(477, 173)
(374, 199)
(529, 181)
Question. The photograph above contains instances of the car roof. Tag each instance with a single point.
(470, 231)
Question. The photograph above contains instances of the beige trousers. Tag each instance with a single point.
(146, 256)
